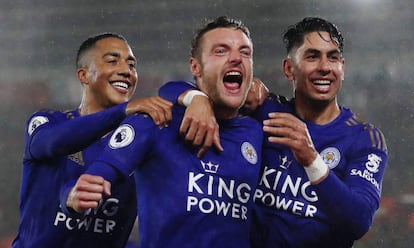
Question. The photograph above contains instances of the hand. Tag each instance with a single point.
(199, 125)
(87, 192)
(286, 129)
(256, 95)
(156, 107)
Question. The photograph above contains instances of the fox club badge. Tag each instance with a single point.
(331, 156)
(249, 153)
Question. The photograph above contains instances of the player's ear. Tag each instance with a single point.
(288, 69)
(343, 69)
(195, 67)
(83, 75)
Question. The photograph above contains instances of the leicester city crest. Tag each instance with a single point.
(249, 153)
(331, 156)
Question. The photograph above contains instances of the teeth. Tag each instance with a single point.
(121, 85)
(233, 73)
(322, 82)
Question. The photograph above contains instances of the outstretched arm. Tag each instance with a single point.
(49, 135)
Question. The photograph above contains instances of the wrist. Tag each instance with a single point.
(317, 170)
(190, 95)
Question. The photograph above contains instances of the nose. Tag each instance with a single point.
(325, 65)
(124, 69)
(235, 57)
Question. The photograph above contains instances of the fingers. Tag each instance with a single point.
(107, 187)
(199, 125)
(256, 95)
(263, 93)
(286, 129)
(197, 132)
(159, 110)
(211, 138)
(87, 192)
(285, 125)
(156, 107)
(216, 140)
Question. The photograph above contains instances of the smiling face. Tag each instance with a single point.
(316, 69)
(109, 74)
(223, 70)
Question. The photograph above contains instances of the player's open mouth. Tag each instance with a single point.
(322, 82)
(120, 85)
(322, 85)
(233, 80)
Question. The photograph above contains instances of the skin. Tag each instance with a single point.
(256, 95)
(110, 61)
(317, 60)
(224, 50)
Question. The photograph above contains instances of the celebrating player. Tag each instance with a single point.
(59, 146)
(184, 200)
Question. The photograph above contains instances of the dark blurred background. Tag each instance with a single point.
(39, 39)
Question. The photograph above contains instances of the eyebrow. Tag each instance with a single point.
(312, 50)
(118, 55)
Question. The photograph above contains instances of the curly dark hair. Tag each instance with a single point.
(294, 36)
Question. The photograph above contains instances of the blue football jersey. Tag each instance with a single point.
(185, 201)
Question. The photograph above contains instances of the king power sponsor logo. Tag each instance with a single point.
(288, 193)
(211, 194)
(99, 220)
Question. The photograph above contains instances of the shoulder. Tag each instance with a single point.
(279, 99)
(46, 116)
(51, 113)
(141, 120)
(275, 103)
(141, 124)
(366, 131)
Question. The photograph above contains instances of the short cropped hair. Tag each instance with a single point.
(219, 22)
(90, 43)
(294, 36)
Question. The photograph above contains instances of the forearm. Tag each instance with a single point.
(346, 205)
(76, 134)
(172, 91)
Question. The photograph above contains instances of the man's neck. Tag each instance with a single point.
(317, 112)
(222, 113)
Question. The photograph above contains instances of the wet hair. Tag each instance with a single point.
(219, 22)
(90, 43)
(294, 36)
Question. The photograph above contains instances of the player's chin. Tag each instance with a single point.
(119, 100)
(235, 102)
